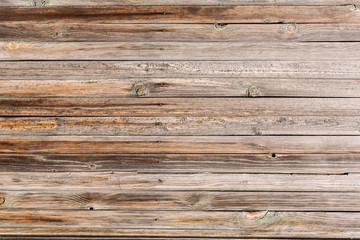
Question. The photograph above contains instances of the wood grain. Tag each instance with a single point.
(180, 144)
(42, 3)
(186, 14)
(273, 51)
(183, 163)
(185, 107)
(158, 181)
(181, 87)
(181, 126)
(92, 32)
(46, 199)
(92, 70)
(202, 224)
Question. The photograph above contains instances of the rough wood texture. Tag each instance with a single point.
(180, 200)
(89, 32)
(137, 181)
(92, 70)
(44, 3)
(184, 126)
(195, 223)
(228, 51)
(186, 14)
(181, 87)
(179, 163)
(169, 119)
(180, 144)
(186, 107)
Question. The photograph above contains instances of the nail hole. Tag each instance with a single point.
(160, 181)
(91, 208)
(273, 155)
(156, 219)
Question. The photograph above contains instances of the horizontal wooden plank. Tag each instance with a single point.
(179, 144)
(272, 51)
(184, 163)
(42, 3)
(179, 201)
(89, 32)
(185, 107)
(186, 14)
(157, 181)
(182, 87)
(92, 70)
(184, 126)
(202, 224)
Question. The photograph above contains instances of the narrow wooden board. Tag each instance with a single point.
(202, 224)
(185, 107)
(183, 163)
(157, 181)
(181, 87)
(90, 32)
(180, 144)
(45, 199)
(272, 51)
(181, 126)
(44, 3)
(186, 14)
(92, 70)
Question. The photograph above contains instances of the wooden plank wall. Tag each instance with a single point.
(169, 119)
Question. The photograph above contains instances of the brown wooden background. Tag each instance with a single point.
(149, 119)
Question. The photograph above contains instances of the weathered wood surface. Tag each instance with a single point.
(229, 51)
(195, 223)
(180, 163)
(181, 126)
(157, 181)
(179, 200)
(89, 32)
(44, 3)
(186, 14)
(174, 119)
(180, 144)
(92, 70)
(185, 107)
(181, 87)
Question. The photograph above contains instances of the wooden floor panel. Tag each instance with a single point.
(169, 119)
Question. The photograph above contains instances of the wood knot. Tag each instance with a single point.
(293, 27)
(255, 214)
(2, 200)
(140, 89)
(220, 26)
(40, 3)
(352, 7)
(252, 92)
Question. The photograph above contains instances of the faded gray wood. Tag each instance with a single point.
(175, 223)
(89, 32)
(181, 87)
(92, 70)
(184, 126)
(184, 163)
(180, 144)
(158, 181)
(272, 51)
(45, 199)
